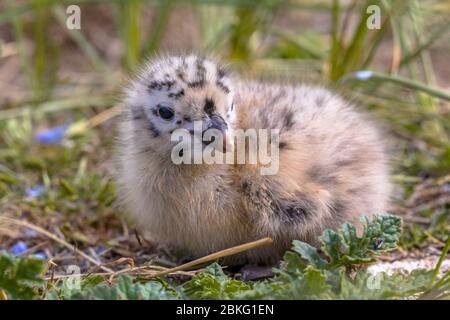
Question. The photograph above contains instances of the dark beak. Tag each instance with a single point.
(215, 122)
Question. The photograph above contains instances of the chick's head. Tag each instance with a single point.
(173, 93)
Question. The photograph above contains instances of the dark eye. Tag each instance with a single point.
(232, 106)
(165, 113)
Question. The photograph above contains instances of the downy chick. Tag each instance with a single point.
(332, 164)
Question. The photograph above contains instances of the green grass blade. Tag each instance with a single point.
(377, 76)
(128, 23)
(334, 66)
(81, 41)
(23, 55)
(427, 44)
(162, 16)
(56, 106)
(441, 260)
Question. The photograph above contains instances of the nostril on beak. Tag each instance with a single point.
(218, 123)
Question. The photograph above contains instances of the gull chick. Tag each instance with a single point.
(332, 163)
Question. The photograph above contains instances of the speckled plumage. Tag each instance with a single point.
(332, 163)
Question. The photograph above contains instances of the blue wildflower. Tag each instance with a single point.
(51, 135)
(100, 250)
(40, 255)
(363, 75)
(35, 191)
(19, 248)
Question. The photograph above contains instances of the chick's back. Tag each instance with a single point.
(332, 163)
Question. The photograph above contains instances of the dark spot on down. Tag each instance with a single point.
(264, 118)
(201, 70)
(157, 85)
(152, 129)
(222, 86)
(169, 84)
(323, 175)
(346, 162)
(196, 84)
(180, 74)
(319, 101)
(137, 113)
(282, 145)
(176, 95)
(201, 75)
(209, 107)
(221, 72)
(295, 210)
(187, 118)
(288, 120)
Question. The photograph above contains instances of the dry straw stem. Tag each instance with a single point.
(208, 258)
(148, 272)
(217, 255)
(3, 295)
(145, 271)
(55, 238)
(104, 116)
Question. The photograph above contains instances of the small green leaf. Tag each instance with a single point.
(124, 289)
(214, 284)
(309, 253)
(67, 187)
(332, 245)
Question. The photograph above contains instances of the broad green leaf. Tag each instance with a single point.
(20, 277)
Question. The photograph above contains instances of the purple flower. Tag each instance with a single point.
(19, 248)
(30, 233)
(446, 187)
(100, 250)
(363, 75)
(51, 135)
(34, 192)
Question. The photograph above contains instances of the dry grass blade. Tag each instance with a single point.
(55, 238)
(218, 255)
(104, 116)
